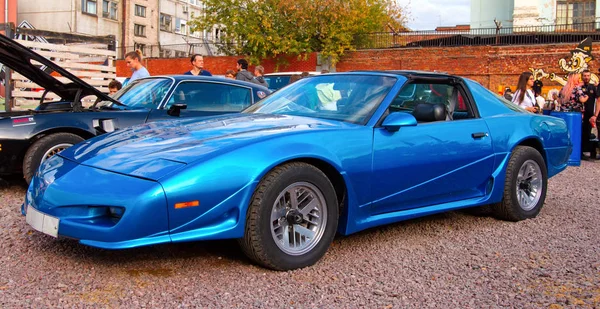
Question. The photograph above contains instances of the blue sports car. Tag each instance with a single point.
(337, 152)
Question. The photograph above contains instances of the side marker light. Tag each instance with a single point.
(187, 204)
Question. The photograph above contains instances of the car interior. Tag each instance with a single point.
(429, 102)
(211, 97)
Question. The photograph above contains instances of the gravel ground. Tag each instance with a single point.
(447, 260)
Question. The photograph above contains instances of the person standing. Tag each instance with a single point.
(197, 66)
(243, 74)
(571, 96)
(259, 72)
(589, 106)
(524, 96)
(540, 103)
(595, 120)
(134, 62)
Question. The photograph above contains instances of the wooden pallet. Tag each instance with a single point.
(82, 60)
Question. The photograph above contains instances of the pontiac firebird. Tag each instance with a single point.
(338, 152)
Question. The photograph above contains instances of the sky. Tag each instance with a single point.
(429, 14)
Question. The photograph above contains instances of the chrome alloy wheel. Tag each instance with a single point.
(54, 150)
(298, 218)
(529, 185)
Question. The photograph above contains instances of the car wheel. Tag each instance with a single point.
(44, 148)
(524, 187)
(292, 218)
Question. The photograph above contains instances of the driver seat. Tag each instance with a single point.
(428, 112)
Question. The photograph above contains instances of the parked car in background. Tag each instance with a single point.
(29, 137)
(289, 172)
(279, 80)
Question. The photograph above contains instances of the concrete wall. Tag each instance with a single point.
(57, 15)
(66, 16)
(534, 13)
(483, 13)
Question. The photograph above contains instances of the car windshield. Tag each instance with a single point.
(350, 98)
(142, 93)
(276, 82)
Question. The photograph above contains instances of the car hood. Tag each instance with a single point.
(155, 149)
(20, 58)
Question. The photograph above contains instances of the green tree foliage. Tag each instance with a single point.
(269, 28)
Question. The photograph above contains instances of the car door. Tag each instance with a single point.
(205, 98)
(433, 162)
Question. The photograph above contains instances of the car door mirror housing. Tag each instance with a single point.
(175, 109)
(394, 121)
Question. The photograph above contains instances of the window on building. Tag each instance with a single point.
(139, 30)
(195, 34)
(165, 22)
(217, 34)
(109, 9)
(140, 10)
(576, 14)
(194, 2)
(180, 26)
(88, 6)
(139, 46)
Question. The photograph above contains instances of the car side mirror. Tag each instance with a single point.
(394, 121)
(175, 109)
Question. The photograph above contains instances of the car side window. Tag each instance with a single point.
(211, 97)
(414, 95)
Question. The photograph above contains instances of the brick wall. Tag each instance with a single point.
(218, 65)
(492, 66)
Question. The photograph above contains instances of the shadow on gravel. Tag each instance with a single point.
(12, 180)
(211, 252)
(227, 252)
(460, 220)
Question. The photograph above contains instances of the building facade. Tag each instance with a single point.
(579, 14)
(159, 28)
(89, 17)
(8, 11)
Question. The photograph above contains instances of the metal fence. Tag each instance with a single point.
(482, 36)
(549, 34)
(173, 50)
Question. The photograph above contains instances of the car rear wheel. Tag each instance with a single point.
(524, 187)
(45, 148)
(292, 218)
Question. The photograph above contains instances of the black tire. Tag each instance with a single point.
(35, 154)
(259, 242)
(510, 208)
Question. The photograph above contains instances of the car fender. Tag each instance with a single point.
(224, 184)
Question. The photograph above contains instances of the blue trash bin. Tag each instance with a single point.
(573, 120)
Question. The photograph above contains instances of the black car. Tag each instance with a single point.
(27, 138)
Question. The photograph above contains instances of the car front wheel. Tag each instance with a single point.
(45, 148)
(524, 187)
(292, 218)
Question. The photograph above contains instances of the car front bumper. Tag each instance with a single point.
(98, 208)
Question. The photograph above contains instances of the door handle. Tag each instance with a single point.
(479, 135)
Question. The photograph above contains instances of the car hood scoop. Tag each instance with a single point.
(154, 149)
